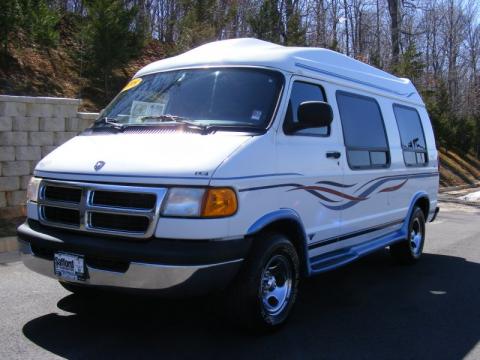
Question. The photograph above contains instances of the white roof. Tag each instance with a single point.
(315, 62)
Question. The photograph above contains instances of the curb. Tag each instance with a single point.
(460, 202)
(444, 196)
(459, 187)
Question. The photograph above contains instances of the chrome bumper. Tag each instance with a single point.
(184, 279)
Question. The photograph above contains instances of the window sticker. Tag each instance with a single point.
(143, 108)
(132, 84)
(256, 115)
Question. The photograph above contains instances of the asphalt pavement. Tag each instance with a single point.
(372, 309)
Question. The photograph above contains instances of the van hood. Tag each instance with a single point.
(146, 158)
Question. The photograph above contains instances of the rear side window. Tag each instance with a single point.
(411, 135)
(301, 92)
(363, 131)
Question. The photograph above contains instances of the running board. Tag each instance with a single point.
(331, 261)
(335, 259)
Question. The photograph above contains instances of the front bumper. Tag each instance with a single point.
(188, 268)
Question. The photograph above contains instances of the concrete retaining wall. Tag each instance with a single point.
(30, 128)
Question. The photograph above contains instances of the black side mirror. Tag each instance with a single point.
(312, 114)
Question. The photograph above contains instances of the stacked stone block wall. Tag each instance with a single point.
(30, 128)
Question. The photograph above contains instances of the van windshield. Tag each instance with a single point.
(231, 97)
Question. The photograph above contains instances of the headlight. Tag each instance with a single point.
(32, 189)
(183, 202)
(197, 202)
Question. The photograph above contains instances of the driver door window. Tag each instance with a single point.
(301, 92)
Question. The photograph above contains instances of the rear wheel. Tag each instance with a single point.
(410, 250)
(264, 292)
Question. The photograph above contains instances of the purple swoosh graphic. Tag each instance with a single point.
(395, 187)
(333, 183)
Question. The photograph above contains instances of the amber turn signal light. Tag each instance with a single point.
(219, 202)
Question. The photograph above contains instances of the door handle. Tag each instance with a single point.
(333, 154)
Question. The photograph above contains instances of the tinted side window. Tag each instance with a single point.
(411, 135)
(301, 92)
(363, 131)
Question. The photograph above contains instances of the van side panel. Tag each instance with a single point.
(414, 178)
(315, 188)
(367, 214)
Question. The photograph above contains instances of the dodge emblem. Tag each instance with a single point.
(99, 165)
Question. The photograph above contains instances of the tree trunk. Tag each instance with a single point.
(394, 10)
(376, 57)
(345, 5)
(334, 44)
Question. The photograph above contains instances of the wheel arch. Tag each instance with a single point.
(424, 204)
(421, 200)
(288, 222)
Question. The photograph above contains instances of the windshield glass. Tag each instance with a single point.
(214, 96)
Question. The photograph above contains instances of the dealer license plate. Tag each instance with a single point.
(69, 266)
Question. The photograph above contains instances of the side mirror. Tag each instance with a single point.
(312, 114)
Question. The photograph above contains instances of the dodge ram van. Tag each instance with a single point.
(238, 167)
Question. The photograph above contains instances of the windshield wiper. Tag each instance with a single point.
(172, 118)
(162, 118)
(204, 128)
(110, 122)
(236, 127)
(178, 120)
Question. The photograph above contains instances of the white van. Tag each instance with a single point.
(239, 166)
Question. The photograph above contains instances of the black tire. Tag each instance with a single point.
(81, 290)
(410, 250)
(253, 298)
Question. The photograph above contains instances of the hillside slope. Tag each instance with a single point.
(61, 71)
(458, 170)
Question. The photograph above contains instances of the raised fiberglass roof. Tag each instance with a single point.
(316, 62)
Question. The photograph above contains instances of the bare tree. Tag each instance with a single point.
(395, 27)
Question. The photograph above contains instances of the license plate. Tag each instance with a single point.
(69, 266)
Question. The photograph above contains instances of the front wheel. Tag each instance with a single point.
(266, 288)
(410, 250)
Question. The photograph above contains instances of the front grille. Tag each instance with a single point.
(115, 221)
(59, 193)
(118, 199)
(61, 216)
(130, 211)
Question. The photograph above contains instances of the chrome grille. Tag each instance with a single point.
(67, 194)
(124, 199)
(130, 211)
(62, 216)
(114, 221)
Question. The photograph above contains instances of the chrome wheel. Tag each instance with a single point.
(416, 237)
(276, 284)
(409, 250)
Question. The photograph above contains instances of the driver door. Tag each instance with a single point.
(316, 155)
